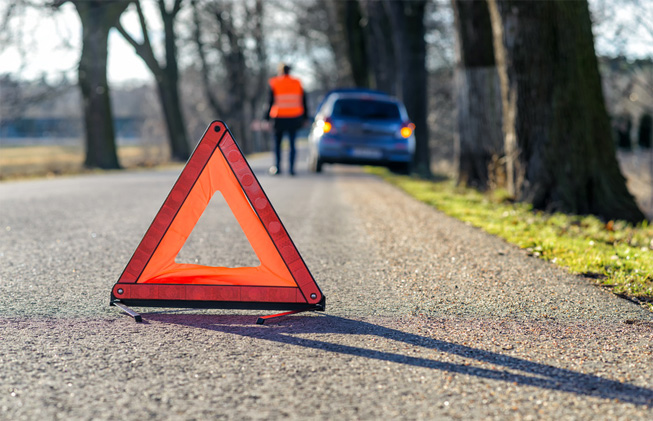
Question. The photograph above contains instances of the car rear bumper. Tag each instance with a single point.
(363, 154)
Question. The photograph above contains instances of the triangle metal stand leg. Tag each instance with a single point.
(137, 317)
(262, 319)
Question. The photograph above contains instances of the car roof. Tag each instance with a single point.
(364, 95)
(355, 93)
(355, 90)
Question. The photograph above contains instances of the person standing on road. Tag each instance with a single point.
(289, 111)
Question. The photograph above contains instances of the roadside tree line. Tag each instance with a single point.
(530, 108)
(554, 148)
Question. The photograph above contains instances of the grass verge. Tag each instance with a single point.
(615, 255)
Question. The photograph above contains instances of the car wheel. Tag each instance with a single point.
(315, 164)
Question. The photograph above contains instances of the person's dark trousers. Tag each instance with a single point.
(278, 138)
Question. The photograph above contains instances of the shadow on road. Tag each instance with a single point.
(530, 373)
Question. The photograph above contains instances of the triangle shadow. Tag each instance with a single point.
(528, 373)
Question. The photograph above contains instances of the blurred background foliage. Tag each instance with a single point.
(451, 62)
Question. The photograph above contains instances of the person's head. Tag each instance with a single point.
(284, 69)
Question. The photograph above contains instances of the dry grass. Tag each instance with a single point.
(50, 160)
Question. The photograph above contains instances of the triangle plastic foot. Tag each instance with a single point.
(137, 317)
(262, 319)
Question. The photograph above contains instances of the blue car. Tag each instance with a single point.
(361, 127)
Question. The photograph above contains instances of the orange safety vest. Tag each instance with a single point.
(288, 95)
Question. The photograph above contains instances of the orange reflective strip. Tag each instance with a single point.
(288, 100)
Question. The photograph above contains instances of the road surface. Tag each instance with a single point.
(427, 318)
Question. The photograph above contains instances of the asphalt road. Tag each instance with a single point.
(427, 318)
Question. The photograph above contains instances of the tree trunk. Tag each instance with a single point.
(351, 17)
(380, 48)
(168, 89)
(236, 69)
(97, 18)
(335, 13)
(479, 139)
(168, 83)
(560, 153)
(408, 34)
(645, 131)
(258, 95)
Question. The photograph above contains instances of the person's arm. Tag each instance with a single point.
(304, 105)
(271, 102)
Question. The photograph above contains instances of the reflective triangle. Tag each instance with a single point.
(153, 278)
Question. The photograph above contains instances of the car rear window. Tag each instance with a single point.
(365, 109)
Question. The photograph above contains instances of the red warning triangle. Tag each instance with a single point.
(153, 278)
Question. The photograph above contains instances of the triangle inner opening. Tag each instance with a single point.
(217, 239)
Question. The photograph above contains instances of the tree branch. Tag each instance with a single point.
(144, 49)
(197, 37)
(143, 22)
(176, 7)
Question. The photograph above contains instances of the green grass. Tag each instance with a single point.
(616, 254)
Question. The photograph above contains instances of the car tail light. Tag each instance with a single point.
(406, 130)
(327, 126)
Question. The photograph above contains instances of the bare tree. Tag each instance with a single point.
(97, 18)
(166, 75)
(313, 31)
(560, 153)
(229, 38)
